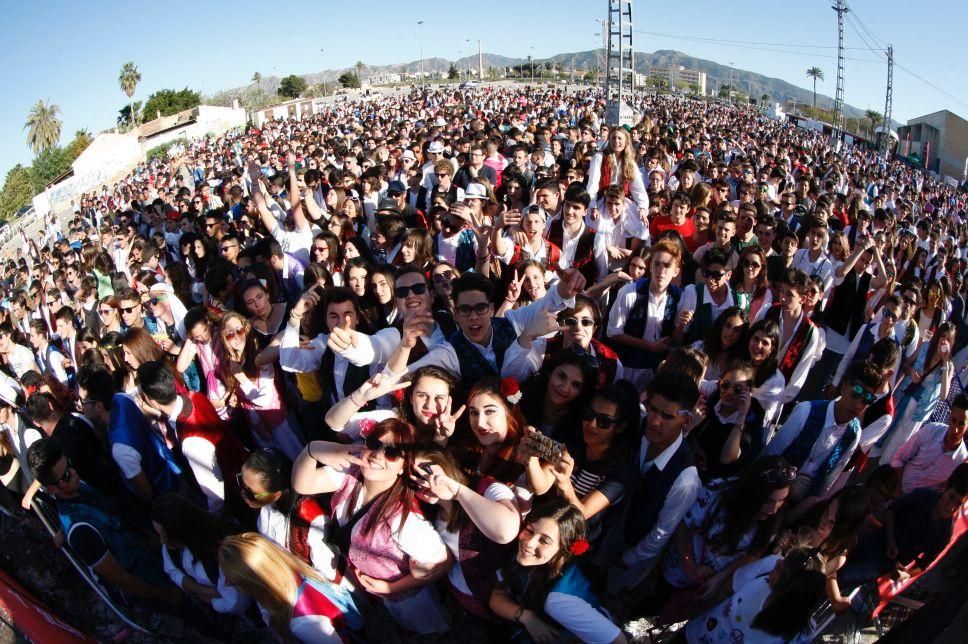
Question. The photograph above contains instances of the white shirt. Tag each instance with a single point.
(687, 302)
(230, 599)
(200, 455)
(624, 301)
(273, 525)
(823, 267)
(569, 245)
(296, 359)
(925, 462)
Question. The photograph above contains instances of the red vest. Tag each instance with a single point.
(797, 344)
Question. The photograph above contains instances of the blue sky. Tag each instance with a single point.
(71, 52)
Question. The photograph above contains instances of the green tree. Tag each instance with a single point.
(256, 77)
(724, 90)
(816, 74)
(17, 191)
(82, 139)
(452, 73)
(128, 79)
(765, 98)
(359, 67)
(43, 127)
(124, 114)
(292, 86)
(349, 80)
(874, 117)
(170, 101)
(48, 165)
(491, 74)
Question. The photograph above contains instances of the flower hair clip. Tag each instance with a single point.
(366, 426)
(511, 390)
(579, 547)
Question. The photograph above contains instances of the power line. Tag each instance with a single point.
(739, 44)
(743, 42)
(869, 47)
(929, 83)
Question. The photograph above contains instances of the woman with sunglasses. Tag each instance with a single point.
(394, 552)
(542, 589)
(442, 276)
(326, 251)
(576, 327)
(609, 429)
(477, 519)
(750, 282)
(109, 312)
(293, 521)
(732, 523)
(254, 387)
(296, 602)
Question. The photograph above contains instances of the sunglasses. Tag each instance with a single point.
(390, 452)
(716, 275)
(106, 311)
(320, 249)
(749, 264)
(444, 276)
(228, 247)
(129, 309)
(726, 385)
(480, 308)
(586, 322)
(155, 300)
(858, 392)
(67, 478)
(779, 475)
(247, 493)
(403, 291)
(602, 421)
(889, 315)
(909, 300)
(230, 335)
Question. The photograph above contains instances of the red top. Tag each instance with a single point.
(687, 229)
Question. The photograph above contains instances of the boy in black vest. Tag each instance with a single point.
(657, 488)
(579, 245)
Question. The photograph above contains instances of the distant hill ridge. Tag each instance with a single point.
(751, 83)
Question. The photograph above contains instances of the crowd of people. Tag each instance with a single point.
(478, 356)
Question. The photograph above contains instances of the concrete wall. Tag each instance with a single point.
(210, 119)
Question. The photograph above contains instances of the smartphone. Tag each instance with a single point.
(426, 467)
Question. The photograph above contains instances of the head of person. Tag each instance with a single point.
(797, 585)
(665, 263)
(910, 298)
(129, 304)
(139, 347)
(669, 407)
(493, 420)
(473, 306)
(38, 334)
(566, 380)
(417, 247)
(548, 542)
(792, 290)
(957, 420)
(430, 394)
(198, 325)
(51, 468)
(755, 501)
(954, 494)
(443, 275)
(715, 269)
(387, 459)
(382, 281)
(679, 207)
(814, 232)
(266, 572)
(577, 201)
(157, 385)
(179, 523)
(891, 312)
(725, 228)
(727, 332)
(357, 271)
(412, 292)
(580, 322)
(738, 377)
(547, 195)
(752, 267)
(64, 323)
(255, 295)
(431, 454)
(611, 419)
(264, 480)
(833, 525)
(229, 247)
(235, 337)
(858, 389)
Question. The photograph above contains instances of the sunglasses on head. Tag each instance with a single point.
(780, 475)
(229, 335)
(480, 308)
(858, 392)
(586, 322)
(403, 291)
(390, 452)
(602, 421)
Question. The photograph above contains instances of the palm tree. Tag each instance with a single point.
(82, 133)
(815, 73)
(360, 66)
(128, 79)
(256, 77)
(874, 117)
(43, 127)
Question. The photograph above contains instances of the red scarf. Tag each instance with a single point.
(606, 176)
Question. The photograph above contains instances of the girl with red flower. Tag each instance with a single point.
(543, 590)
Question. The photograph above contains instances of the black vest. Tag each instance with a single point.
(354, 379)
(844, 312)
(648, 498)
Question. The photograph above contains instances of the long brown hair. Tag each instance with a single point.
(505, 467)
(400, 498)
(440, 456)
(227, 355)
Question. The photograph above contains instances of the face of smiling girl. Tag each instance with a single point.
(488, 419)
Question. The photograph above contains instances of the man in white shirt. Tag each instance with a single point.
(812, 259)
(929, 457)
(620, 228)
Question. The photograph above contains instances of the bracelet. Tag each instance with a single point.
(355, 399)
(295, 316)
(510, 301)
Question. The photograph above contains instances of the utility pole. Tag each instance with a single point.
(619, 65)
(841, 9)
(531, 58)
(888, 101)
(730, 82)
(420, 40)
(322, 59)
(480, 61)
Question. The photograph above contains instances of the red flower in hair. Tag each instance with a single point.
(510, 389)
(397, 396)
(366, 426)
(579, 547)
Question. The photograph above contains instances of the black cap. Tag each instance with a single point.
(396, 187)
(388, 206)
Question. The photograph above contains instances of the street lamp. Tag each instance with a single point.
(322, 59)
(730, 82)
(420, 40)
(467, 58)
(532, 65)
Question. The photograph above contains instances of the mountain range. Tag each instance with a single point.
(752, 83)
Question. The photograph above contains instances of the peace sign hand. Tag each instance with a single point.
(379, 385)
(444, 422)
(436, 482)
(514, 287)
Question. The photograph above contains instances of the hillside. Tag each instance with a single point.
(748, 82)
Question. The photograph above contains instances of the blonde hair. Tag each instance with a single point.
(257, 567)
(626, 164)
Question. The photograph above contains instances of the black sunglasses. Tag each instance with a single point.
(603, 421)
(576, 321)
(390, 452)
(858, 392)
(67, 478)
(480, 308)
(716, 275)
(780, 475)
(129, 309)
(403, 291)
(248, 493)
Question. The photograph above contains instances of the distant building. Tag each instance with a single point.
(680, 77)
(947, 134)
